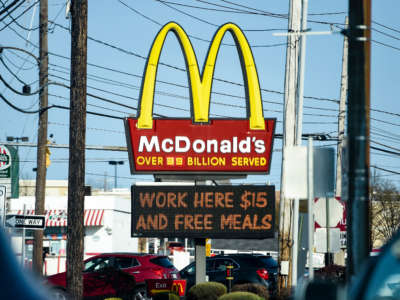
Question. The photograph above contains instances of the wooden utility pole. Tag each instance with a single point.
(77, 137)
(339, 258)
(358, 222)
(37, 259)
(342, 114)
(289, 130)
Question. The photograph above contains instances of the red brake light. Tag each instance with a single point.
(158, 271)
(263, 273)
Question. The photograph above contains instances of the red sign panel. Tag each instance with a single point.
(220, 146)
(154, 286)
(341, 224)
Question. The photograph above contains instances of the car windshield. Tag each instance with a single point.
(162, 262)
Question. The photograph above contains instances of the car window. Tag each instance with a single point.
(191, 269)
(269, 262)
(221, 263)
(97, 264)
(124, 262)
(162, 261)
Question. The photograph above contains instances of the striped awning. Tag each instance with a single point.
(58, 217)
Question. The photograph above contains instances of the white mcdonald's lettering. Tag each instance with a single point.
(182, 144)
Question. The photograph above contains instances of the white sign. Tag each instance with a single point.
(295, 169)
(3, 192)
(26, 221)
(336, 210)
(321, 242)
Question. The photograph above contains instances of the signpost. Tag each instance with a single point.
(3, 193)
(25, 221)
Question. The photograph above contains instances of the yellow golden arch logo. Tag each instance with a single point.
(201, 84)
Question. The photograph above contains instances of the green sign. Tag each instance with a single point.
(5, 162)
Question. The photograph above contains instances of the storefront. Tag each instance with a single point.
(106, 221)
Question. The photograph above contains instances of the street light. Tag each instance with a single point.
(115, 163)
(17, 139)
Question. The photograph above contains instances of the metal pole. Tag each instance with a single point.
(310, 183)
(200, 257)
(327, 257)
(358, 126)
(23, 240)
(115, 176)
(295, 247)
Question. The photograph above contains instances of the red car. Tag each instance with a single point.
(175, 246)
(118, 274)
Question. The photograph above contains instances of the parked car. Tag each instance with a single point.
(175, 246)
(247, 268)
(119, 274)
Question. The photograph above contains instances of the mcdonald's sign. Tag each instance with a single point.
(200, 144)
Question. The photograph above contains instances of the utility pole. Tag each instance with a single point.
(289, 130)
(299, 133)
(37, 259)
(358, 125)
(77, 139)
(342, 114)
(339, 258)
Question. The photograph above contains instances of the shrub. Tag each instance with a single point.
(254, 288)
(206, 291)
(240, 296)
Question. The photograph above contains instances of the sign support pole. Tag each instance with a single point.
(23, 241)
(3, 197)
(200, 257)
(310, 184)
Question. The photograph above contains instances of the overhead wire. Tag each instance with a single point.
(16, 18)
(196, 37)
(184, 70)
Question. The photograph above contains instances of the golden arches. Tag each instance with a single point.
(201, 85)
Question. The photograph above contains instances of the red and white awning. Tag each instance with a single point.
(58, 217)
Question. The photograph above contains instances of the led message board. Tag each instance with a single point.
(200, 144)
(198, 211)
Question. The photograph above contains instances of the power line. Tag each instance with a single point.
(390, 147)
(386, 34)
(387, 27)
(53, 106)
(386, 151)
(166, 65)
(386, 45)
(201, 39)
(184, 97)
(386, 170)
(385, 122)
(16, 18)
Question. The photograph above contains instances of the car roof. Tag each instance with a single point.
(130, 254)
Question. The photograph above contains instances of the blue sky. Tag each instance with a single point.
(121, 34)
